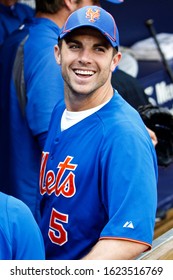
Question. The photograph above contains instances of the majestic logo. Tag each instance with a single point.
(92, 15)
(128, 224)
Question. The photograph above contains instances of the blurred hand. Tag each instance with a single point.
(153, 136)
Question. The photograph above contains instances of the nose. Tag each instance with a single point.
(85, 56)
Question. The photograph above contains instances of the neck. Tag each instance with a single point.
(76, 102)
(58, 18)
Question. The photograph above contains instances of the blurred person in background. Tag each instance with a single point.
(20, 236)
(12, 16)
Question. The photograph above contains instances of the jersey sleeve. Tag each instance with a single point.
(45, 86)
(26, 238)
(5, 252)
(129, 186)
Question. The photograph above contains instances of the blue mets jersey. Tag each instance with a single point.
(98, 180)
(20, 236)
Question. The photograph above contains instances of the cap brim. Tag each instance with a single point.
(111, 40)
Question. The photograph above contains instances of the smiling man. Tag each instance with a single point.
(98, 173)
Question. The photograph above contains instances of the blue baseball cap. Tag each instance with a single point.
(95, 17)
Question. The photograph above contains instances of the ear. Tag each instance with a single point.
(57, 54)
(115, 60)
(71, 5)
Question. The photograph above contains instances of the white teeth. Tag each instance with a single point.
(84, 72)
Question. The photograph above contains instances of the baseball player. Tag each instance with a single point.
(98, 173)
(20, 236)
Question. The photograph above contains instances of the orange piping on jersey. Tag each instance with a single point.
(128, 239)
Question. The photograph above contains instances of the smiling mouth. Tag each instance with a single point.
(87, 73)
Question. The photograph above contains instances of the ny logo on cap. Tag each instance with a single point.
(92, 15)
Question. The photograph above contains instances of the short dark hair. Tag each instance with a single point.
(53, 6)
(48, 6)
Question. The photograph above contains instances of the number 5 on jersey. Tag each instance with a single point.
(57, 233)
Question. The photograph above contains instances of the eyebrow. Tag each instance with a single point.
(104, 44)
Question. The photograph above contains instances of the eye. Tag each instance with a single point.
(73, 46)
(100, 49)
